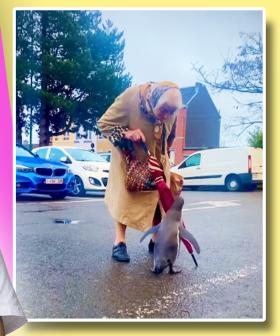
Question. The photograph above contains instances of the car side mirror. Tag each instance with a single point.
(65, 159)
(37, 155)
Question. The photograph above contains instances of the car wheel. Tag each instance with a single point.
(59, 196)
(233, 183)
(79, 189)
(194, 188)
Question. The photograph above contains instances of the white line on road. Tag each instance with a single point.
(209, 207)
(157, 304)
(64, 202)
(213, 204)
(209, 202)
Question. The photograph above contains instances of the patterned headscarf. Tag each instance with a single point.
(150, 94)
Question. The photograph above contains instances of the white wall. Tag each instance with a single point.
(85, 142)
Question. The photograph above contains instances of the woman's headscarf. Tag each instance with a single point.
(149, 96)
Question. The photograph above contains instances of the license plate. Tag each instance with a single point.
(54, 181)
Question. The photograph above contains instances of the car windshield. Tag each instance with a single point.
(21, 151)
(84, 155)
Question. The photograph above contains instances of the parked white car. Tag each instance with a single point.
(90, 169)
(106, 156)
(236, 168)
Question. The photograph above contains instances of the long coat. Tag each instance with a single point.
(133, 209)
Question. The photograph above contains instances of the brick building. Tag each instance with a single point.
(198, 127)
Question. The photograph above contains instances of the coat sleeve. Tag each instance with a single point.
(114, 122)
(171, 137)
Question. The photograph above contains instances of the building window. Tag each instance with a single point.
(88, 135)
(66, 136)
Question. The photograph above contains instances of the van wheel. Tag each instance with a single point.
(233, 183)
(194, 188)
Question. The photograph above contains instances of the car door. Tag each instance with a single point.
(190, 170)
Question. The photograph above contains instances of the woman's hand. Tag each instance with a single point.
(136, 135)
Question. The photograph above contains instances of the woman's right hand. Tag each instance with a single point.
(136, 135)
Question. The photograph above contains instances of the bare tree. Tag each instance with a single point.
(241, 74)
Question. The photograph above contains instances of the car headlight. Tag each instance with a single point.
(23, 169)
(90, 168)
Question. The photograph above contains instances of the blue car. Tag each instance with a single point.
(40, 176)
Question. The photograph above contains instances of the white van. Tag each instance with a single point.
(237, 168)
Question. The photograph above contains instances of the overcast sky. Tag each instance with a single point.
(163, 44)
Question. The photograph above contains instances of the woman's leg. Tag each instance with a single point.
(119, 249)
(120, 233)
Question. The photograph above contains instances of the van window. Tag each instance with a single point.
(191, 162)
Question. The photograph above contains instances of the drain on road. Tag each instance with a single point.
(66, 221)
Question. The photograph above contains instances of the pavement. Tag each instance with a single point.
(64, 268)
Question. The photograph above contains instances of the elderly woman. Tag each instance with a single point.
(145, 113)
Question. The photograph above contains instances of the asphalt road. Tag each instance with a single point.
(66, 271)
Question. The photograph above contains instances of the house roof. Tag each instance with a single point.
(187, 93)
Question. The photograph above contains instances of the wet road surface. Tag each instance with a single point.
(66, 271)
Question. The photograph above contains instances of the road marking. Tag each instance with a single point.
(208, 202)
(157, 304)
(204, 208)
(64, 202)
(213, 205)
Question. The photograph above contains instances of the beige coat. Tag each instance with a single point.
(134, 209)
